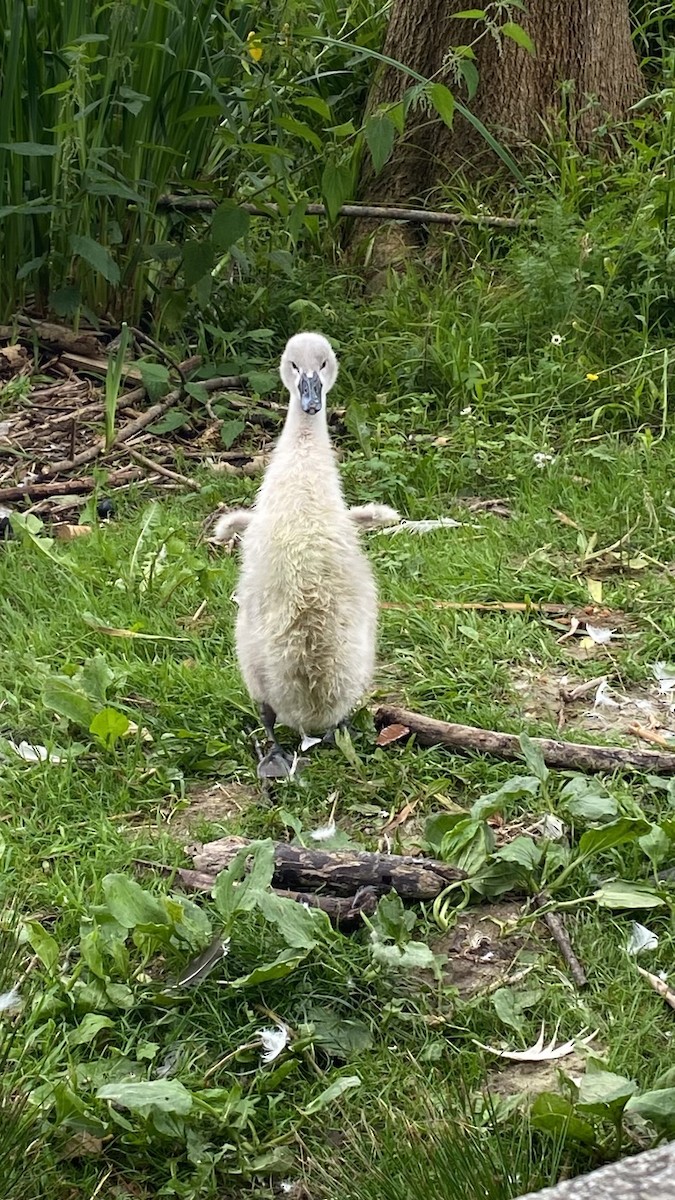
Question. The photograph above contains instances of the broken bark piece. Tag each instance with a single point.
(342, 873)
(556, 927)
(570, 756)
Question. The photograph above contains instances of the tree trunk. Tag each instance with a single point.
(583, 44)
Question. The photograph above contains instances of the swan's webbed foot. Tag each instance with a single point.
(276, 764)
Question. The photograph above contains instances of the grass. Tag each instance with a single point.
(67, 826)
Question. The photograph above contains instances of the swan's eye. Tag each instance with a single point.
(295, 367)
(322, 366)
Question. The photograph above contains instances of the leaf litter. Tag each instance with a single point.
(555, 696)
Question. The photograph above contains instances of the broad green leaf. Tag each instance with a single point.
(468, 846)
(62, 696)
(533, 757)
(237, 890)
(656, 845)
(391, 920)
(198, 261)
(109, 726)
(438, 824)
(97, 256)
(30, 149)
(510, 1004)
(469, 72)
(443, 101)
(554, 1114)
(602, 1092)
(155, 378)
(88, 1029)
(300, 927)
(588, 800)
(176, 418)
(45, 946)
(317, 105)
(229, 225)
(517, 34)
(130, 904)
(164, 1095)
(496, 878)
(301, 130)
(333, 1092)
(626, 895)
(379, 133)
(336, 187)
(657, 1107)
(522, 850)
(95, 677)
(284, 964)
(230, 431)
(626, 829)
(262, 382)
(516, 788)
(414, 956)
(338, 1036)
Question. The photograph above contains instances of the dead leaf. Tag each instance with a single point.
(13, 361)
(83, 1145)
(564, 519)
(402, 816)
(392, 733)
(68, 533)
(594, 589)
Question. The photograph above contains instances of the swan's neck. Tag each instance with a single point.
(305, 427)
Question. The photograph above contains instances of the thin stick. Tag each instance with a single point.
(518, 606)
(370, 212)
(67, 487)
(162, 470)
(133, 427)
(558, 932)
(573, 756)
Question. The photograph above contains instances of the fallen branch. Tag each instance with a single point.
(556, 927)
(571, 756)
(133, 427)
(343, 872)
(342, 911)
(70, 487)
(160, 469)
(370, 212)
(517, 606)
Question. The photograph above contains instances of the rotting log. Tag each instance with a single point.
(344, 912)
(569, 756)
(342, 873)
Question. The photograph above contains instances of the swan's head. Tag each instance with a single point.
(309, 369)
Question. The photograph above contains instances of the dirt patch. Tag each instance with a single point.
(218, 803)
(481, 949)
(557, 697)
(532, 1078)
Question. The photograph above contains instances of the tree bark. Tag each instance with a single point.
(343, 873)
(583, 44)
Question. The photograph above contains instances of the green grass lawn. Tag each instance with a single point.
(100, 1012)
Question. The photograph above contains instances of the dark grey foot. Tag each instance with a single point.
(328, 738)
(277, 764)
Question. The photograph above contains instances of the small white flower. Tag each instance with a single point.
(274, 1041)
(324, 832)
(541, 460)
(557, 339)
(10, 1000)
(466, 412)
(641, 939)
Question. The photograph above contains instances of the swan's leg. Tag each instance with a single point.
(328, 738)
(277, 763)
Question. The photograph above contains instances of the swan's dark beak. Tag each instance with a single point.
(309, 387)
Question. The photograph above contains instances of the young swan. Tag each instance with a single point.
(307, 620)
